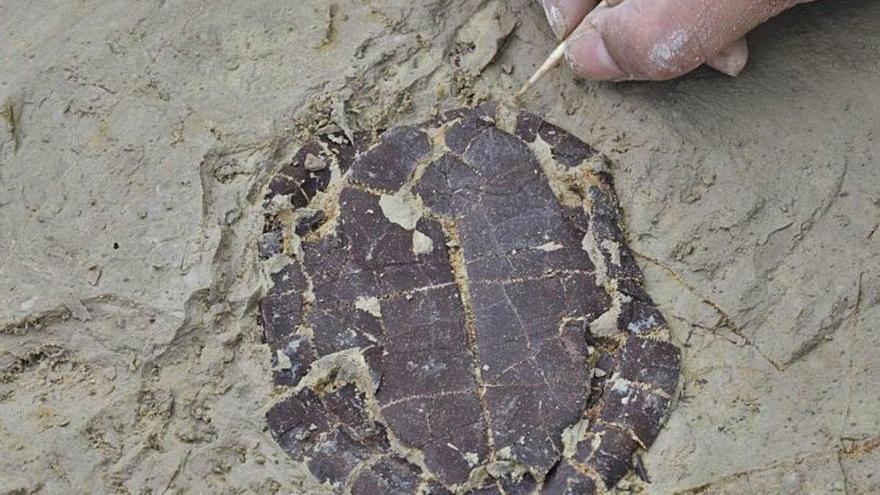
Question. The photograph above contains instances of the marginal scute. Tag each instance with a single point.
(650, 361)
(566, 148)
(568, 480)
(460, 280)
(606, 453)
(388, 476)
(634, 409)
(640, 317)
(300, 184)
(292, 361)
(283, 306)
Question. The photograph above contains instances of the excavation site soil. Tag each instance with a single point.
(318, 247)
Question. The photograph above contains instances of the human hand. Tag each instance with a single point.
(618, 40)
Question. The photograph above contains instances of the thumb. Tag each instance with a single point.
(663, 39)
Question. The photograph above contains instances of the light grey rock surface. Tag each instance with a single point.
(137, 139)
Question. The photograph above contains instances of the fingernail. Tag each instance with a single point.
(728, 65)
(589, 58)
(732, 59)
(553, 11)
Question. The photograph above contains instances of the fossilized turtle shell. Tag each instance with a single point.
(453, 310)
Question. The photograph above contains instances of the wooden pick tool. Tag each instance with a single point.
(554, 58)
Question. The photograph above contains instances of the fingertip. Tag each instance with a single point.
(589, 58)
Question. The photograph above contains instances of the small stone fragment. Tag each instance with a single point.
(370, 305)
(402, 209)
(94, 274)
(422, 244)
(314, 163)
